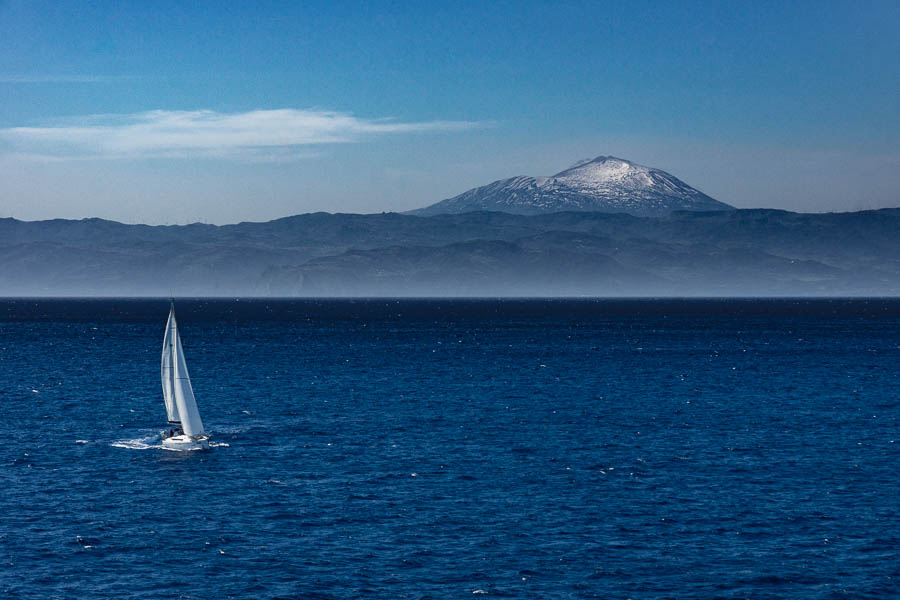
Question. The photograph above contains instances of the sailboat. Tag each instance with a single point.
(185, 430)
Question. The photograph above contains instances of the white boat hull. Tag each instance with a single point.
(186, 442)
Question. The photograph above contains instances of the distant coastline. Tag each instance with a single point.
(737, 253)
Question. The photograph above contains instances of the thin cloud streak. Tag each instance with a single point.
(204, 133)
(65, 78)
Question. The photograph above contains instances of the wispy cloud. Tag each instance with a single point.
(64, 78)
(259, 134)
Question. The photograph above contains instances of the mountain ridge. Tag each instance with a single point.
(747, 252)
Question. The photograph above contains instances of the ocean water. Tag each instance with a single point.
(454, 449)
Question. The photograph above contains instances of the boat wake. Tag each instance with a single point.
(154, 442)
(150, 442)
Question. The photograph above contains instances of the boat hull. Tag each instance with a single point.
(186, 442)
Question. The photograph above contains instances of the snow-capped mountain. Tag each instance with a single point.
(603, 184)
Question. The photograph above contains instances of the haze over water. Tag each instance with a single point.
(438, 448)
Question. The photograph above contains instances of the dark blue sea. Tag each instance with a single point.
(454, 449)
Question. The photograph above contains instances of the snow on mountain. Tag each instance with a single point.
(603, 184)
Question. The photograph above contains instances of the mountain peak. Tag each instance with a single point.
(601, 184)
(596, 159)
(599, 160)
(604, 170)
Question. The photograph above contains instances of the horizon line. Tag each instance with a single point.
(407, 214)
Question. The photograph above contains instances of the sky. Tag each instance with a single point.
(220, 112)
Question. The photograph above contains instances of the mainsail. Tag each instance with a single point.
(184, 406)
(168, 369)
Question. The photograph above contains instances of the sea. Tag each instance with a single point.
(431, 448)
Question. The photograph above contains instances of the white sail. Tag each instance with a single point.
(168, 370)
(184, 393)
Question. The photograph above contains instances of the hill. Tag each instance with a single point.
(716, 253)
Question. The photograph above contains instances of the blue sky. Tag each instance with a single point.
(221, 112)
